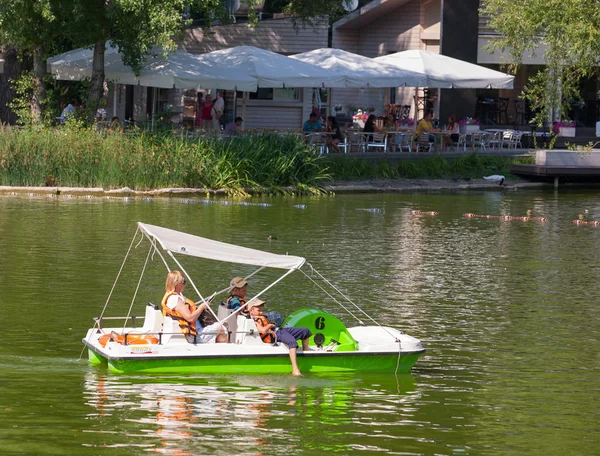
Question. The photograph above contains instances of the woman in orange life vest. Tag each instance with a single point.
(185, 312)
(287, 336)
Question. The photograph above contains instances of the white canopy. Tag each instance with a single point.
(180, 70)
(273, 70)
(196, 246)
(361, 71)
(445, 72)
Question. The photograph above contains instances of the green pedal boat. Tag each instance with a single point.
(160, 346)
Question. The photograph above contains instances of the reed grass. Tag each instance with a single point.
(76, 156)
(79, 157)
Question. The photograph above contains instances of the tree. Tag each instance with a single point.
(135, 26)
(568, 34)
(29, 25)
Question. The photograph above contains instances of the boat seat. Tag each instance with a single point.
(222, 313)
(171, 330)
(153, 320)
(247, 333)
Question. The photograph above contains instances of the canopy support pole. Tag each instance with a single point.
(192, 283)
(257, 295)
(137, 288)
(328, 103)
(346, 298)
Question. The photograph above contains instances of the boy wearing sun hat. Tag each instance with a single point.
(270, 333)
(237, 299)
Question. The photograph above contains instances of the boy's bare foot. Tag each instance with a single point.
(297, 373)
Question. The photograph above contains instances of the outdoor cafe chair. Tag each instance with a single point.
(495, 140)
(403, 141)
(376, 141)
(462, 142)
(355, 140)
(344, 144)
(515, 140)
(480, 140)
(423, 143)
(318, 141)
(506, 139)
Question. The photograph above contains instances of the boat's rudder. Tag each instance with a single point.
(319, 322)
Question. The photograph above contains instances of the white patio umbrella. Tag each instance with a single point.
(360, 71)
(445, 72)
(180, 70)
(272, 70)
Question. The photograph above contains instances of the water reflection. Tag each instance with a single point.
(246, 414)
(508, 312)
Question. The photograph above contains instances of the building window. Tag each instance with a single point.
(286, 94)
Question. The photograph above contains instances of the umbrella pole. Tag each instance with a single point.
(416, 104)
(115, 86)
(244, 99)
(154, 100)
(328, 102)
(234, 103)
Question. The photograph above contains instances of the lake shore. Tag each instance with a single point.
(364, 186)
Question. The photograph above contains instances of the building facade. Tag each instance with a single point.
(267, 108)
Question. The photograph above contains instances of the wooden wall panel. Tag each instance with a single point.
(277, 35)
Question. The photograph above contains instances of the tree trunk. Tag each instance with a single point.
(97, 83)
(39, 92)
(12, 70)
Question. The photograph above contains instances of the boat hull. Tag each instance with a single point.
(263, 364)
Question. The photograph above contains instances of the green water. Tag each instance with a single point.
(508, 312)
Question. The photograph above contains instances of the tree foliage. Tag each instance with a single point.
(567, 32)
(42, 28)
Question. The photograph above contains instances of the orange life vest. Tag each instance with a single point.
(241, 300)
(263, 321)
(185, 326)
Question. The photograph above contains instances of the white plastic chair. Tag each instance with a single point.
(377, 141)
(515, 140)
(423, 143)
(506, 138)
(403, 141)
(480, 140)
(495, 140)
(318, 141)
(462, 142)
(356, 140)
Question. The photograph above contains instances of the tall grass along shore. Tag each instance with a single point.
(80, 157)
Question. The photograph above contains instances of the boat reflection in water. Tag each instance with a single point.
(255, 414)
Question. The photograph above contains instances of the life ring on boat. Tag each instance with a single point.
(118, 338)
(132, 339)
(141, 339)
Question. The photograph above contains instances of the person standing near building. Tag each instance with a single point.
(217, 111)
(206, 116)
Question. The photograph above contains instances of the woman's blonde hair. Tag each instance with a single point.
(174, 278)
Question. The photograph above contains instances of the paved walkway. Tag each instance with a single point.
(446, 154)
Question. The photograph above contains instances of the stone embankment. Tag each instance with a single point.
(372, 186)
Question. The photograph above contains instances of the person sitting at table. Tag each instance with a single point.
(370, 127)
(424, 126)
(451, 130)
(233, 128)
(312, 124)
(389, 123)
(334, 139)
